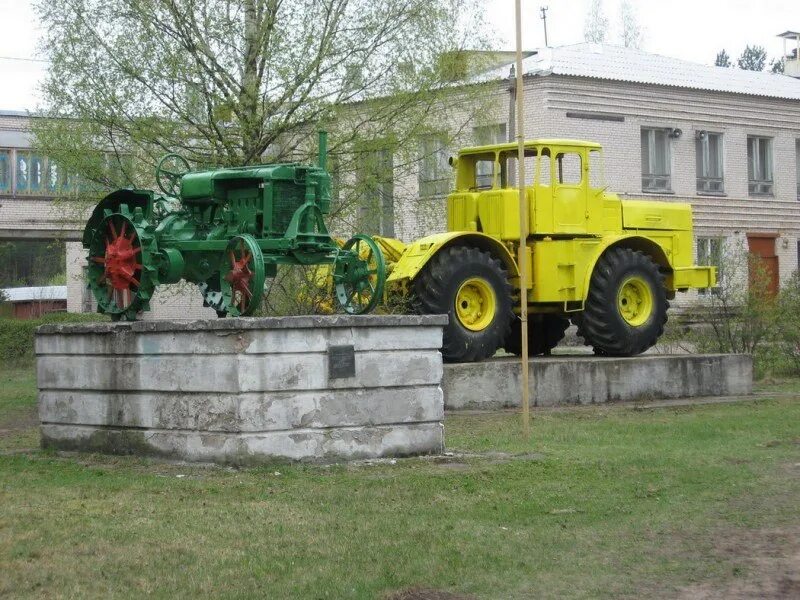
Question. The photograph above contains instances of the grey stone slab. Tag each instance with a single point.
(250, 412)
(252, 448)
(334, 408)
(586, 380)
(231, 373)
(256, 341)
(247, 323)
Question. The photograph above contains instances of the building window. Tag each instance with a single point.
(759, 166)
(656, 160)
(708, 151)
(375, 181)
(5, 171)
(487, 135)
(434, 170)
(709, 254)
(797, 168)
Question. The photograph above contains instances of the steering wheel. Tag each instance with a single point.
(171, 168)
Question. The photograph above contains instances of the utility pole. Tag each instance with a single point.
(523, 231)
(543, 10)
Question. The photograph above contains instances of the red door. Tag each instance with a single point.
(764, 269)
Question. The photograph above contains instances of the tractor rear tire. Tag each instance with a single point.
(471, 287)
(626, 309)
(545, 332)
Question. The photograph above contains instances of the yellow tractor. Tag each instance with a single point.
(608, 265)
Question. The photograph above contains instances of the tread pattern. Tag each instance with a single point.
(601, 325)
(434, 293)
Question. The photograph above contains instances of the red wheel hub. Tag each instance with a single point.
(240, 277)
(120, 261)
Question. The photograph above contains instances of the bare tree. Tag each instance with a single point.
(596, 26)
(631, 30)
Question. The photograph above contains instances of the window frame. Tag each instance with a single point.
(706, 255)
(705, 181)
(760, 187)
(434, 175)
(649, 178)
(797, 165)
(377, 178)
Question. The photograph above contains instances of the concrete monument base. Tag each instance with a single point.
(564, 379)
(244, 391)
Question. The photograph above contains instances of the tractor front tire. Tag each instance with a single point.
(626, 309)
(471, 287)
(544, 334)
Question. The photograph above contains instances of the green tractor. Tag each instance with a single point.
(226, 230)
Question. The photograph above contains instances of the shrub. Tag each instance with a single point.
(16, 335)
(788, 324)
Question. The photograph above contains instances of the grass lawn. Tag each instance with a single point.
(602, 502)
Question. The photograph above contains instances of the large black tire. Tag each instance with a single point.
(618, 319)
(544, 334)
(437, 287)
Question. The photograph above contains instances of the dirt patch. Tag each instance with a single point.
(425, 594)
(765, 564)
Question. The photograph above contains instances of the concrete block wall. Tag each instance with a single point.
(561, 380)
(243, 390)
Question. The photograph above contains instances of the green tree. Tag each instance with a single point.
(777, 65)
(231, 82)
(723, 59)
(753, 58)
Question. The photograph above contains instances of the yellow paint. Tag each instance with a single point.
(635, 301)
(573, 220)
(476, 304)
(419, 252)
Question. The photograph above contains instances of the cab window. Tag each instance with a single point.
(544, 177)
(569, 168)
(509, 170)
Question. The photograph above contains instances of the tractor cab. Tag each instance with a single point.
(563, 183)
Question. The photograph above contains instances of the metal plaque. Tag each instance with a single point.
(341, 362)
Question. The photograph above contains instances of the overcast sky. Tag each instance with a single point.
(689, 29)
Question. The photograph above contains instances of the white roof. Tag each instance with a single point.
(616, 63)
(25, 294)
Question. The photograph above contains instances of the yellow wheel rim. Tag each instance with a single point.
(635, 301)
(476, 304)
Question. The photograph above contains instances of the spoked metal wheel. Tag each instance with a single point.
(359, 275)
(241, 278)
(117, 279)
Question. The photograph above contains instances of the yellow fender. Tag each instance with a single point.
(418, 253)
(678, 277)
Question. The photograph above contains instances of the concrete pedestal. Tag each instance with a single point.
(244, 390)
(557, 380)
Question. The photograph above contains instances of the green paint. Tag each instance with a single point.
(224, 230)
